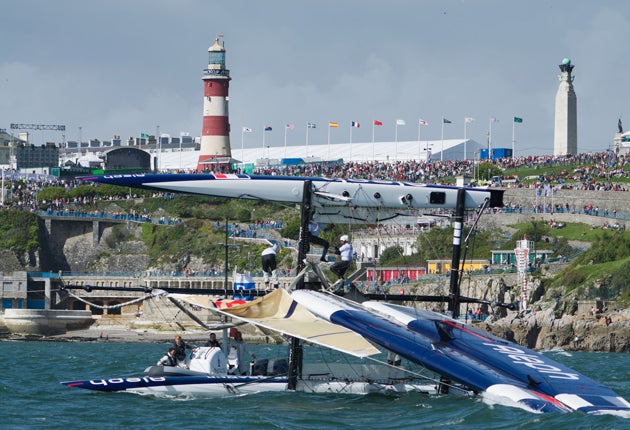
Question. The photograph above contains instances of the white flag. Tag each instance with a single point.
(468, 120)
(247, 130)
(400, 122)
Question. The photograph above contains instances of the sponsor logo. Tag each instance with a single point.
(116, 381)
(518, 356)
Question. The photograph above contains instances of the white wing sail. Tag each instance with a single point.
(277, 311)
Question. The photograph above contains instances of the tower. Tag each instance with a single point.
(565, 129)
(215, 134)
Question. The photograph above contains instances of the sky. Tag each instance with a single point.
(126, 67)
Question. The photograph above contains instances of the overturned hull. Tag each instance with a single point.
(333, 200)
(498, 370)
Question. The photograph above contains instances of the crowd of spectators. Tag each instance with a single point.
(594, 171)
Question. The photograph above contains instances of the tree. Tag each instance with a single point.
(389, 255)
(48, 194)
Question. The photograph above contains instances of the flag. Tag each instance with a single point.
(493, 119)
(468, 120)
(517, 119)
(446, 121)
(377, 122)
(267, 128)
(247, 130)
(356, 124)
(144, 135)
(290, 126)
(400, 122)
(333, 124)
(423, 122)
(311, 125)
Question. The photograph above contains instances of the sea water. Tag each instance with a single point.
(31, 397)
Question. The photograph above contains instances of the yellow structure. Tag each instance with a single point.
(443, 267)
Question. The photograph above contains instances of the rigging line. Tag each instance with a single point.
(131, 302)
(415, 373)
(471, 232)
(171, 322)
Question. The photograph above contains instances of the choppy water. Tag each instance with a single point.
(32, 398)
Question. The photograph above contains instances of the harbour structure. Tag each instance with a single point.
(565, 127)
(215, 134)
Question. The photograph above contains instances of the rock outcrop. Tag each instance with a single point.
(543, 331)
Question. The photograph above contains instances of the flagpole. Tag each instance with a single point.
(396, 140)
(419, 145)
(263, 146)
(351, 127)
(373, 155)
(442, 150)
(285, 141)
(329, 140)
(307, 139)
(242, 144)
(465, 130)
(489, 138)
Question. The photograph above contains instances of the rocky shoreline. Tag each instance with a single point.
(543, 331)
(536, 330)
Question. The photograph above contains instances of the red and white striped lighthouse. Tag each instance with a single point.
(215, 135)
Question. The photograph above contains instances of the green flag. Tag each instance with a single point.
(517, 119)
(146, 135)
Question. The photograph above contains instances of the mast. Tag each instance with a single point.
(458, 222)
(296, 351)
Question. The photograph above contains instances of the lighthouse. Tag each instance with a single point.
(215, 135)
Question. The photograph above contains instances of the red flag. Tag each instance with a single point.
(377, 122)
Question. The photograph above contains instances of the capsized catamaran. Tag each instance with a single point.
(500, 371)
(207, 373)
(463, 357)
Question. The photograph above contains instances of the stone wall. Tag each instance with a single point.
(604, 200)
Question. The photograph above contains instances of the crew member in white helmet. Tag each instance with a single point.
(269, 266)
(345, 250)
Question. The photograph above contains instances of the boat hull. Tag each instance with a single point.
(229, 385)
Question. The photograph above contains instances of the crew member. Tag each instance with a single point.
(180, 348)
(213, 342)
(240, 353)
(169, 359)
(314, 229)
(346, 252)
(269, 265)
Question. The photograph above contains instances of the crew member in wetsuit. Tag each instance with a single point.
(213, 342)
(180, 348)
